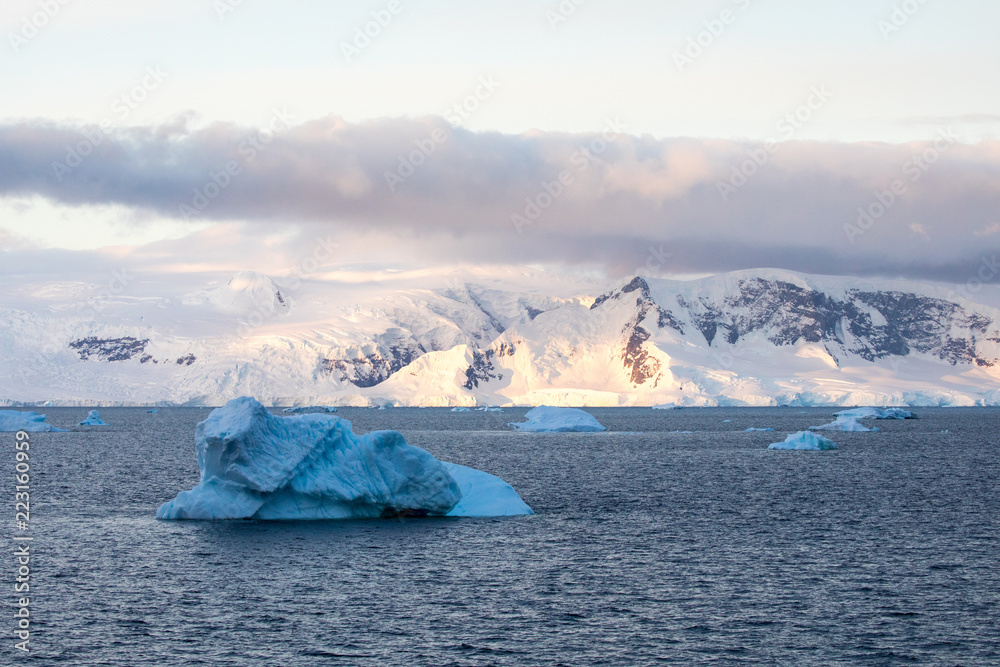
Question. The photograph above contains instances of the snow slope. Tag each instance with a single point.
(506, 338)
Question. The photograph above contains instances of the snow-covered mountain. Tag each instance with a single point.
(759, 337)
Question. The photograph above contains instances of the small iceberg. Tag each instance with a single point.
(844, 423)
(666, 406)
(804, 440)
(93, 419)
(545, 419)
(310, 408)
(152, 412)
(878, 413)
(489, 409)
(461, 410)
(12, 420)
(256, 465)
(759, 430)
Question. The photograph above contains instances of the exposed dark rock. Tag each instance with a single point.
(186, 360)
(481, 369)
(109, 349)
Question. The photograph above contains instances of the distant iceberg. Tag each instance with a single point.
(461, 410)
(844, 423)
(489, 409)
(93, 419)
(759, 430)
(804, 440)
(666, 406)
(12, 420)
(258, 465)
(310, 408)
(152, 412)
(877, 413)
(545, 419)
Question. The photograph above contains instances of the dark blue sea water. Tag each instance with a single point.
(648, 548)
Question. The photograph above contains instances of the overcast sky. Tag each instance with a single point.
(680, 137)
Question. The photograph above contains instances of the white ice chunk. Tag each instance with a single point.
(844, 423)
(461, 410)
(258, 465)
(12, 420)
(545, 419)
(759, 430)
(877, 413)
(93, 419)
(804, 440)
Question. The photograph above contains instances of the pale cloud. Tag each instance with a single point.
(624, 199)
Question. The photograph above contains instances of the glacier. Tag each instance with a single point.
(804, 440)
(877, 413)
(483, 337)
(12, 420)
(93, 419)
(546, 419)
(256, 465)
(844, 423)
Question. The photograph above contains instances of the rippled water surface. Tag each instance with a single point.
(648, 547)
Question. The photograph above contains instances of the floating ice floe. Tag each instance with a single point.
(845, 423)
(152, 412)
(666, 406)
(877, 413)
(313, 466)
(489, 409)
(759, 430)
(12, 420)
(309, 408)
(804, 440)
(461, 410)
(545, 419)
(93, 419)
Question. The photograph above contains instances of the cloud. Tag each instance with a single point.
(427, 191)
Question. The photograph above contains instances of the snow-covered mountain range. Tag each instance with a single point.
(762, 337)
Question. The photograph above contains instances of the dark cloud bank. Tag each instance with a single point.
(922, 210)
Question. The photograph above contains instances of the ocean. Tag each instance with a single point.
(649, 546)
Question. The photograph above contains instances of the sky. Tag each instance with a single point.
(665, 138)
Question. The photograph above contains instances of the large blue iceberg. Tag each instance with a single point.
(313, 466)
(12, 420)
